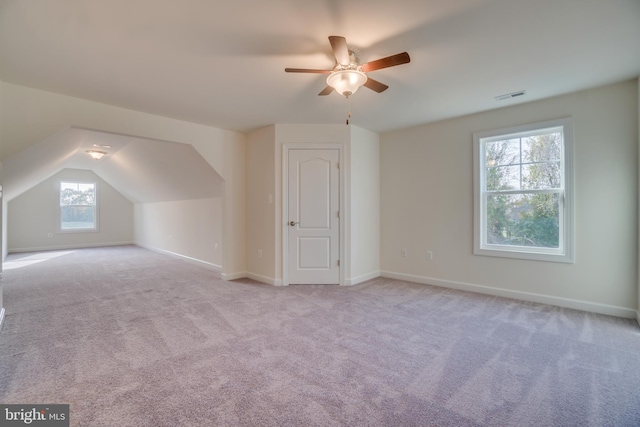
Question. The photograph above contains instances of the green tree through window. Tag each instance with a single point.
(77, 205)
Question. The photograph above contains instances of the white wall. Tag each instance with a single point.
(35, 213)
(190, 228)
(427, 204)
(364, 205)
(31, 115)
(638, 290)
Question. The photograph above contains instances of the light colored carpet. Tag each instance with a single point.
(129, 337)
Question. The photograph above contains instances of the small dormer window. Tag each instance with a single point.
(78, 206)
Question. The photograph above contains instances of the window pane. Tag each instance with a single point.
(505, 152)
(74, 193)
(541, 176)
(523, 220)
(77, 217)
(542, 148)
(503, 178)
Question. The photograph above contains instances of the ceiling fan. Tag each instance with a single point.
(347, 76)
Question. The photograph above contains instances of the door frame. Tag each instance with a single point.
(284, 217)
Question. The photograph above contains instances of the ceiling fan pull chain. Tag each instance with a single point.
(348, 110)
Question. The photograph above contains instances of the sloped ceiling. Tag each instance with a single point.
(142, 170)
(222, 63)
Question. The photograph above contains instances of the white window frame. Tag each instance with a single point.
(566, 250)
(93, 229)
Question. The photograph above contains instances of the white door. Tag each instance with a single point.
(313, 217)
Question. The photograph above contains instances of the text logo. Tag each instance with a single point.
(34, 415)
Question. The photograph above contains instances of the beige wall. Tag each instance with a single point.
(2, 237)
(3, 207)
(35, 213)
(264, 178)
(261, 212)
(265, 219)
(234, 207)
(427, 204)
(364, 205)
(190, 228)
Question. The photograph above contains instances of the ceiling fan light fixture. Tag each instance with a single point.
(346, 82)
(96, 154)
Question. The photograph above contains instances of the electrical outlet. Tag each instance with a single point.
(430, 255)
(403, 252)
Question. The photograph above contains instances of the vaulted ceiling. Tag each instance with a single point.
(222, 63)
(142, 170)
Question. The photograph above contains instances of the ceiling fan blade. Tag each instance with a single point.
(389, 61)
(306, 70)
(375, 85)
(326, 91)
(340, 49)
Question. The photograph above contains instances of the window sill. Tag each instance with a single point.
(528, 256)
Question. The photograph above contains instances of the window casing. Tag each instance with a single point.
(78, 206)
(523, 199)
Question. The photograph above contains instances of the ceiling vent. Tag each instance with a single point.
(510, 95)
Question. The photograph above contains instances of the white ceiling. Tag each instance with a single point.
(222, 63)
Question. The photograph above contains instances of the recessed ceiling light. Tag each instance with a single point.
(95, 154)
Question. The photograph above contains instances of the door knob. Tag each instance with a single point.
(292, 223)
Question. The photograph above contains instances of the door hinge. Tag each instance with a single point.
(338, 263)
(338, 165)
(338, 214)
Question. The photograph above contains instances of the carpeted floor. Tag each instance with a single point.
(129, 337)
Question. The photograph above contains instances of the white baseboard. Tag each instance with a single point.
(233, 276)
(362, 278)
(200, 262)
(65, 247)
(264, 279)
(610, 310)
(278, 282)
(1, 317)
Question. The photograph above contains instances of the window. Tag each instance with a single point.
(523, 198)
(78, 206)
